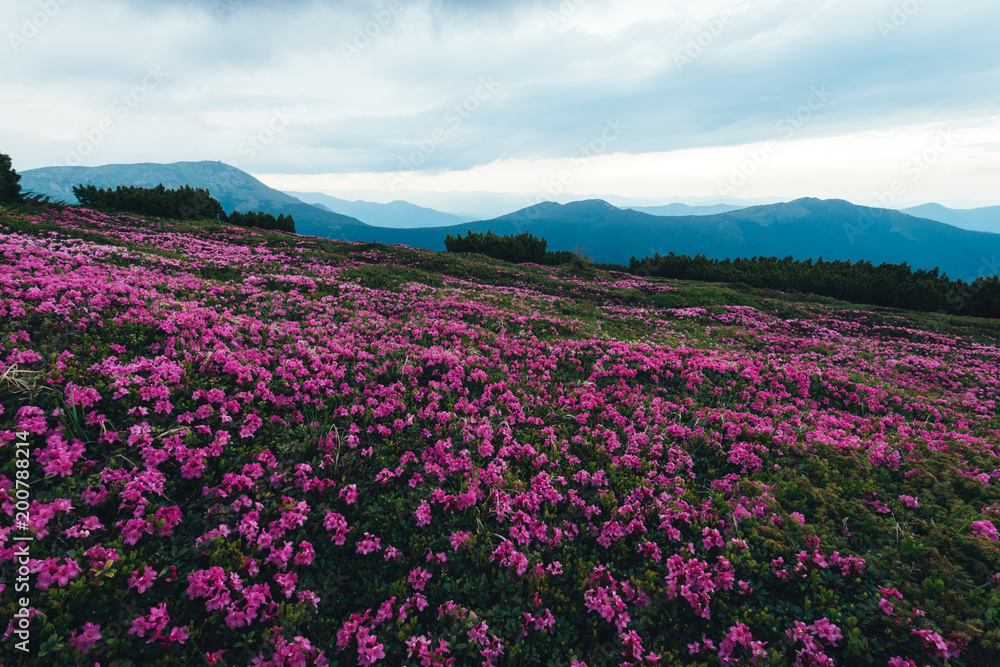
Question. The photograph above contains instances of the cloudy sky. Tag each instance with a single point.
(873, 101)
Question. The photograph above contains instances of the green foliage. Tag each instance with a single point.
(391, 278)
(10, 188)
(892, 285)
(261, 220)
(517, 249)
(184, 203)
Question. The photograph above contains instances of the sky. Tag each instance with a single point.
(884, 103)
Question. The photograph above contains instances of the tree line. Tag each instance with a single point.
(524, 247)
(890, 285)
(183, 203)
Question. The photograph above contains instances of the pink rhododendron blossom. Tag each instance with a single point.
(144, 581)
(986, 530)
(89, 634)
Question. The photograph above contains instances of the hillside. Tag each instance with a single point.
(256, 447)
(235, 190)
(675, 210)
(985, 219)
(805, 228)
(395, 214)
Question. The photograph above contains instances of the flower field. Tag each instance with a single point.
(255, 448)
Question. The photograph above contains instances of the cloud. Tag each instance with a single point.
(369, 82)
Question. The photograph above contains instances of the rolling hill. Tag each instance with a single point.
(986, 219)
(805, 228)
(235, 189)
(396, 214)
(674, 210)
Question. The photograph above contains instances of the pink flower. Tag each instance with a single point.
(178, 635)
(83, 397)
(368, 650)
(423, 513)
(418, 578)
(349, 494)
(935, 642)
(459, 539)
(153, 622)
(899, 661)
(369, 544)
(306, 554)
(985, 529)
(85, 640)
(825, 629)
(885, 606)
(142, 582)
(250, 425)
(287, 582)
(909, 501)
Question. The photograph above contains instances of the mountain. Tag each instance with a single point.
(976, 219)
(235, 190)
(396, 214)
(804, 228)
(676, 210)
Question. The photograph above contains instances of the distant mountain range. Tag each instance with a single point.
(805, 228)
(235, 190)
(396, 214)
(677, 210)
(985, 219)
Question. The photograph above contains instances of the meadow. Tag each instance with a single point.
(248, 447)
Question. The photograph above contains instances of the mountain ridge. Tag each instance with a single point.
(234, 188)
(804, 228)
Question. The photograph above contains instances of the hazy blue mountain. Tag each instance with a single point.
(805, 228)
(235, 190)
(676, 210)
(976, 219)
(396, 214)
(831, 229)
